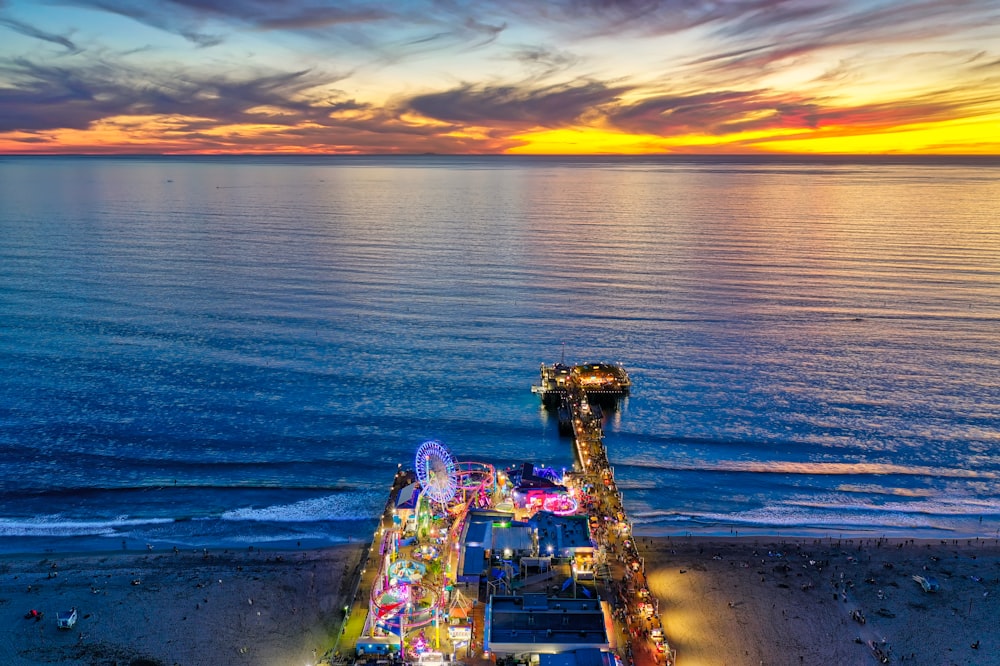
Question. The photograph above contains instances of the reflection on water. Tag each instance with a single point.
(253, 324)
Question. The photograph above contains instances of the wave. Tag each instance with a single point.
(809, 468)
(346, 506)
(786, 517)
(284, 538)
(942, 506)
(56, 526)
(837, 512)
(84, 491)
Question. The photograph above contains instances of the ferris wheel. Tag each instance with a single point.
(435, 468)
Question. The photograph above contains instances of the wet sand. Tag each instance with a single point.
(744, 601)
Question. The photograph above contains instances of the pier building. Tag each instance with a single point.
(539, 624)
(598, 380)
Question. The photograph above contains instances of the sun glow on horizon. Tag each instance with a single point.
(507, 77)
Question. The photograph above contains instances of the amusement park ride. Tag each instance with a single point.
(415, 599)
(415, 591)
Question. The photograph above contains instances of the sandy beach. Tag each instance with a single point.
(750, 601)
(741, 601)
(188, 608)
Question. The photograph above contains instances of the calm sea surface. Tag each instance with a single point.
(233, 351)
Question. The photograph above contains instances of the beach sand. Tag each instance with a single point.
(751, 601)
(744, 601)
(188, 608)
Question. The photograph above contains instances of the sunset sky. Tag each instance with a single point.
(500, 76)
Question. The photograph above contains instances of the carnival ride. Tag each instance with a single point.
(560, 504)
(406, 571)
(414, 584)
(448, 487)
(403, 606)
(476, 481)
(435, 468)
(429, 551)
(410, 591)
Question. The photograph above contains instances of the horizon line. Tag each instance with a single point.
(776, 156)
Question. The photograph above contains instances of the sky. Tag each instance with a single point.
(500, 76)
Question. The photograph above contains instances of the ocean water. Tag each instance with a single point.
(240, 351)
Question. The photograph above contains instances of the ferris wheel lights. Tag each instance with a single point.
(436, 471)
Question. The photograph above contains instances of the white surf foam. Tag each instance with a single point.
(362, 505)
(56, 526)
(832, 511)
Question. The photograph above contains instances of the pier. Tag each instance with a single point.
(637, 616)
(482, 566)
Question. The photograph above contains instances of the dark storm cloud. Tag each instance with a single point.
(545, 106)
(32, 31)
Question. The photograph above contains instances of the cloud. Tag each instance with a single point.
(188, 112)
(389, 31)
(749, 21)
(156, 15)
(187, 17)
(317, 17)
(488, 31)
(32, 31)
(588, 19)
(525, 106)
(49, 97)
(721, 112)
(545, 60)
(731, 112)
(779, 31)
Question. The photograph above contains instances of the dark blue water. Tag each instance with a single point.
(225, 351)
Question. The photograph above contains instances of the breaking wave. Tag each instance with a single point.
(56, 526)
(346, 506)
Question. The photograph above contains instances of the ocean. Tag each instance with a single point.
(241, 351)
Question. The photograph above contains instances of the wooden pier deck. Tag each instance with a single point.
(636, 618)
